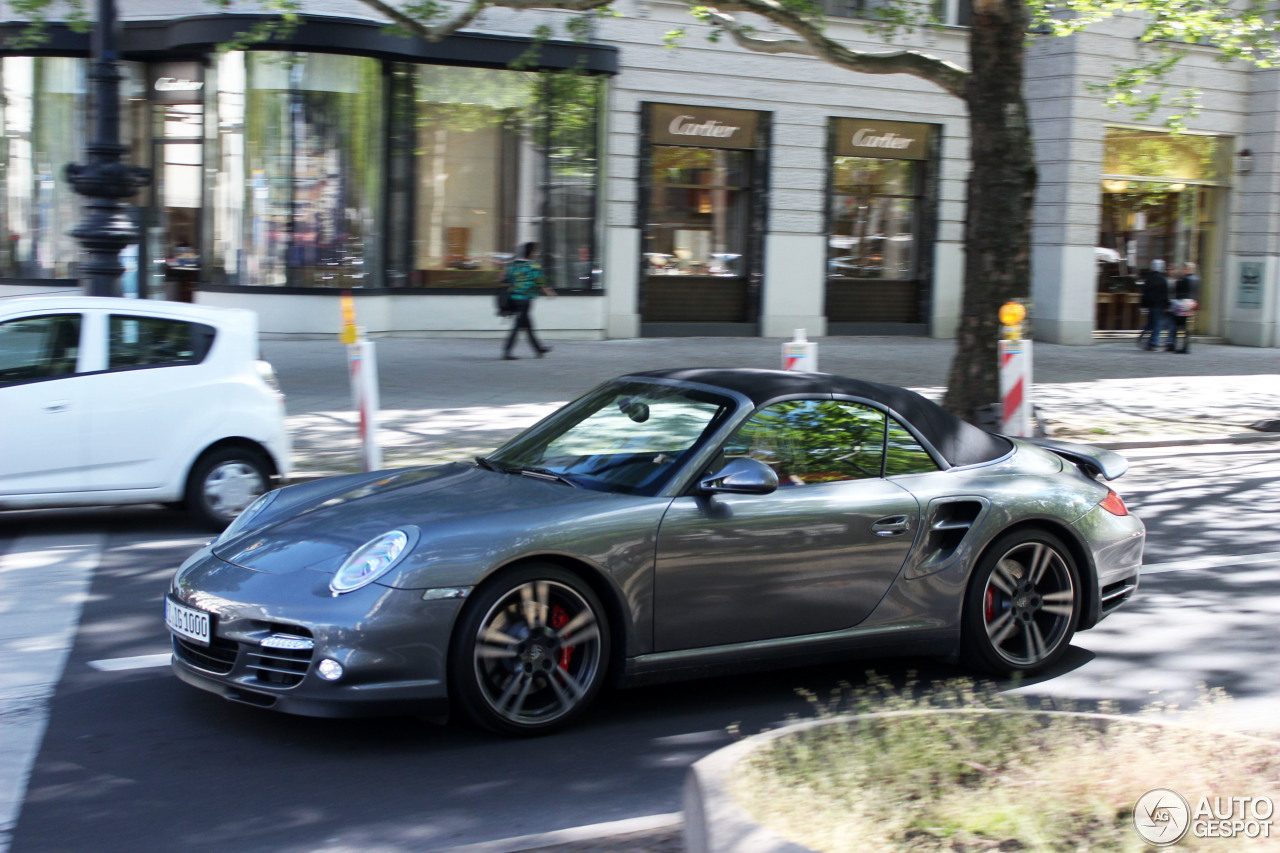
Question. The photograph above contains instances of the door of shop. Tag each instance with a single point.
(702, 208)
(173, 230)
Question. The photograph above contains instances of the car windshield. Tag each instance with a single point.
(628, 437)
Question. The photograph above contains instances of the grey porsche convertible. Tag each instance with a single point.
(665, 524)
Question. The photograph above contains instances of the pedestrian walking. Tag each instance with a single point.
(1183, 308)
(525, 282)
(1155, 298)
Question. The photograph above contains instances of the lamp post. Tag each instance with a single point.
(105, 179)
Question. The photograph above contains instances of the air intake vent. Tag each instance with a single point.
(218, 657)
(280, 660)
(950, 524)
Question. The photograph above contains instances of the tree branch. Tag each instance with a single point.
(813, 42)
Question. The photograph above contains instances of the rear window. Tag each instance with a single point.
(156, 342)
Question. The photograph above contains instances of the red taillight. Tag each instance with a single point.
(1113, 503)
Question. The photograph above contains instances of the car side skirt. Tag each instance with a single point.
(902, 640)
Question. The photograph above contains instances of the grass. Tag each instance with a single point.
(967, 769)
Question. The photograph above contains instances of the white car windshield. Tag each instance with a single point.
(626, 437)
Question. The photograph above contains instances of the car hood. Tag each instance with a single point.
(321, 534)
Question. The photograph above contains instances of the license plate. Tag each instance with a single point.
(186, 622)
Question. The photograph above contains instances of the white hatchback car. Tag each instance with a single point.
(126, 401)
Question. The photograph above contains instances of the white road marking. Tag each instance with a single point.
(135, 662)
(1215, 561)
(44, 581)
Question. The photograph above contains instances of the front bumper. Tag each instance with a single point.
(393, 646)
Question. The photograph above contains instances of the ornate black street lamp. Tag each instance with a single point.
(105, 180)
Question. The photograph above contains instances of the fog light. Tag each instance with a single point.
(330, 670)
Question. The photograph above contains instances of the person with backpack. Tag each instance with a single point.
(525, 282)
(1183, 308)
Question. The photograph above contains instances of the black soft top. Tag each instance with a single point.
(958, 442)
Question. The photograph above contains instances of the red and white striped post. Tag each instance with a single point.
(362, 364)
(1015, 372)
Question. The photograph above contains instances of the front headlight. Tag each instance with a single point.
(244, 521)
(370, 561)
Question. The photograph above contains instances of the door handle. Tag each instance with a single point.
(892, 525)
(57, 406)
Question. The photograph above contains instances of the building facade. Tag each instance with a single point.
(704, 190)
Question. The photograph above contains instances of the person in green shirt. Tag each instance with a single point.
(525, 282)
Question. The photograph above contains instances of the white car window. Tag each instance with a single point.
(36, 348)
(156, 342)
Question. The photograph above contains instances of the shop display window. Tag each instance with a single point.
(43, 114)
(873, 218)
(697, 211)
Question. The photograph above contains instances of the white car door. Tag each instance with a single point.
(145, 401)
(43, 404)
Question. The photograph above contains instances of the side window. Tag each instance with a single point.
(905, 455)
(35, 348)
(813, 441)
(156, 342)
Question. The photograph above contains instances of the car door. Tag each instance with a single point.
(144, 403)
(814, 556)
(42, 404)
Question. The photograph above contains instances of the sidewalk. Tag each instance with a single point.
(453, 398)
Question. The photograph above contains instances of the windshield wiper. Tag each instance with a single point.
(544, 474)
(487, 463)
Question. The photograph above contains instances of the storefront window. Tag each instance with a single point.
(1160, 194)
(698, 211)
(43, 116)
(873, 205)
(300, 149)
(880, 224)
(486, 159)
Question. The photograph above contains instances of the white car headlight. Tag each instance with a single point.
(244, 521)
(370, 561)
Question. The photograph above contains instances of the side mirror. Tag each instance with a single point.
(741, 476)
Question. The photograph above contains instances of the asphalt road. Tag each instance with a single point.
(133, 760)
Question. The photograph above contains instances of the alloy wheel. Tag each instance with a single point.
(537, 654)
(1029, 604)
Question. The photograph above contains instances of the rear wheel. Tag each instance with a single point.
(1023, 604)
(531, 651)
(224, 483)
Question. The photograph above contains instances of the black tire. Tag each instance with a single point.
(530, 652)
(223, 484)
(1022, 605)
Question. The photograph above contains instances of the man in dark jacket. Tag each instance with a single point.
(1155, 298)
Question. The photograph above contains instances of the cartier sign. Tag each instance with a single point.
(705, 127)
(177, 83)
(900, 140)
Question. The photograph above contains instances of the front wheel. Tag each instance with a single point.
(224, 483)
(1022, 605)
(531, 651)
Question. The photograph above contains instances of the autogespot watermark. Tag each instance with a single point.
(1163, 817)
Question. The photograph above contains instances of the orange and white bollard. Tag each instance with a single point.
(362, 365)
(1015, 372)
(800, 354)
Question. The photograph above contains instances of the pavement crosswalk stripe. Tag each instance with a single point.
(135, 662)
(44, 581)
(1215, 561)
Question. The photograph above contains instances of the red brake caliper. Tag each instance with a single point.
(989, 606)
(557, 621)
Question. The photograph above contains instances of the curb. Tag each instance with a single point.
(591, 832)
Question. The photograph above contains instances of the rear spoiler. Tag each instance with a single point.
(1094, 460)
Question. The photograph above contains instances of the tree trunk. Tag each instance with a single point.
(1001, 187)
